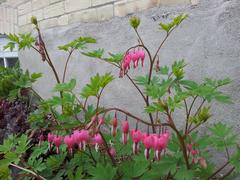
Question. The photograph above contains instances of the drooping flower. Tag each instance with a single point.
(159, 146)
(125, 130)
(112, 151)
(50, 140)
(81, 138)
(57, 140)
(84, 137)
(77, 138)
(194, 153)
(148, 142)
(114, 125)
(136, 138)
(142, 56)
(129, 57)
(97, 140)
(165, 136)
(69, 141)
(189, 147)
(135, 58)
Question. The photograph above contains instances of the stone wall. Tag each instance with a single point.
(52, 13)
(8, 19)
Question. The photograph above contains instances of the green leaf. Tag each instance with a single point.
(157, 90)
(96, 83)
(217, 83)
(35, 76)
(235, 160)
(8, 144)
(115, 58)
(154, 107)
(134, 168)
(11, 157)
(222, 136)
(166, 27)
(5, 172)
(100, 172)
(96, 53)
(220, 130)
(141, 80)
(184, 174)
(66, 86)
(166, 165)
(175, 22)
(78, 174)
(55, 161)
(10, 45)
(79, 43)
(37, 165)
(22, 40)
(23, 143)
(188, 84)
(164, 70)
(37, 151)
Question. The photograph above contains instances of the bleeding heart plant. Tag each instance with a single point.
(88, 141)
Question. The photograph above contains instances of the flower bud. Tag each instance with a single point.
(34, 20)
(202, 163)
(135, 22)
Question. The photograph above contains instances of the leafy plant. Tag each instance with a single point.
(80, 139)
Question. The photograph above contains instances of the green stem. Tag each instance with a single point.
(29, 171)
(66, 64)
(218, 170)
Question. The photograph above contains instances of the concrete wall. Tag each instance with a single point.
(53, 13)
(208, 40)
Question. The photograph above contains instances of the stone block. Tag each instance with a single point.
(36, 4)
(14, 3)
(99, 2)
(54, 1)
(22, 20)
(74, 5)
(25, 28)
(48, 23)
(174, 2)
(105, 12)
(123, 8)
(89, 15)
(54, 10)
(194, 2)
(25, 8)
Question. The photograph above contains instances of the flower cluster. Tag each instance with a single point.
(132, 57)
(79, 138)
(157, 142)
(196, 156)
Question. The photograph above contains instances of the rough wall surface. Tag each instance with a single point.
(208, 40)
(55, 13)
